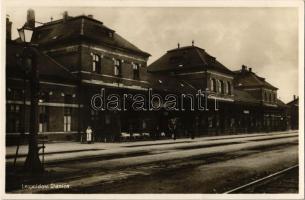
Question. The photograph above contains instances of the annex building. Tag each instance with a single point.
(78, 56)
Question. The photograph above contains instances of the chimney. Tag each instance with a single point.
(65, 16)
(192, 42)
(294, 97)
(90, 16)
(8, 28)
(244, 67)
(30, 19)
(250, 69)
(178, 45)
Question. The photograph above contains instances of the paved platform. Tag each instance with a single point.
(205, 158)
(56, 152)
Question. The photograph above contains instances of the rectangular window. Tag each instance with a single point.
(67, 119)
(213, 85)
(136, 71)
(221, 87)
(110, 34)
(14, 118)
(67, 123)
(93, 66)
(117, 67)
(96, 63)
(229, 88)
(15, 94)
(17, 108)
(43, 118)
(224, 87)
(94, 115)
(14, 108)
(40, 127)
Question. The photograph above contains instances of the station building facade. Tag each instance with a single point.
(293, 113)
(79, 56)
(245, 101)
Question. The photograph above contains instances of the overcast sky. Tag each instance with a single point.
(265, 39)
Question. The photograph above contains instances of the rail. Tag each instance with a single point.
(261, 180)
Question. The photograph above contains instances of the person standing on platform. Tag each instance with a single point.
(196, 128)
(89, 135)
(172, 125)
(157, 132)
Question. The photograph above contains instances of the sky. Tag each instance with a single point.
(263, 38)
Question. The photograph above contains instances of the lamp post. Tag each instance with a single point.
(32, 163)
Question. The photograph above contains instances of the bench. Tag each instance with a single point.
(146, 134)
(136, 135)
(125, 136)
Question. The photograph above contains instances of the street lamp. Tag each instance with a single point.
(32, 162)
(25, 34)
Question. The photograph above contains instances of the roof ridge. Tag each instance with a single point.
(201, 56)
(69, 19)
(82, 27)
(182, 48)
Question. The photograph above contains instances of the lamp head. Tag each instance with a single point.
(25, 34)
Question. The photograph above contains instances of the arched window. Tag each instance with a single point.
(229, 87)
(213, 85)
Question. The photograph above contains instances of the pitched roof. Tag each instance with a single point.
(82, 27)
(165, 83)
(189, 57)
(48, 67)
(245, 97)
(293, 102)
(245, 78)
(280, 103)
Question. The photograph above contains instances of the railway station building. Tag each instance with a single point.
(78, 57)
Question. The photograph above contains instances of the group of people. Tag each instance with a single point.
(171, 129)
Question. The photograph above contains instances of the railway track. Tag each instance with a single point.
(283, 181)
